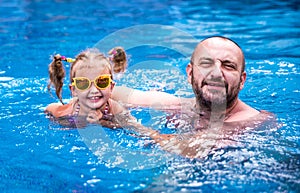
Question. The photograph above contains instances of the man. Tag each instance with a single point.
(217, 74)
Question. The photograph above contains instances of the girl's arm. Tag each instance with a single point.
(59, 110)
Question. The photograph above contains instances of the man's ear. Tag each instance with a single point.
(243, 79)
(189, 71)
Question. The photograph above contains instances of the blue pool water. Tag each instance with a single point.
(37, 157)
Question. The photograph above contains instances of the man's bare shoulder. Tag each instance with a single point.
(244, 115)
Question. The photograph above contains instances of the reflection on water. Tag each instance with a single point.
(261, 161)
(35, 158)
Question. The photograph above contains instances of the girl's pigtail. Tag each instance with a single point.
(118, 58)
(56, 75)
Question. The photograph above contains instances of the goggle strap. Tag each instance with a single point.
(70, 60)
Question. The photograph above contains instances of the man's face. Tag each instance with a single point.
(216, 73)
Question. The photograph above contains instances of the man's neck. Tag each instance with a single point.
(231, 110)
(215, 116)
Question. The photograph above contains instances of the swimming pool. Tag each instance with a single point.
(36, 157)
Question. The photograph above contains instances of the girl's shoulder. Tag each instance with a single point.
(60, 110)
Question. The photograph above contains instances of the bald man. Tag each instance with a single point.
(216, 114)
(217, 75)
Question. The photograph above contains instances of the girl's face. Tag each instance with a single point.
(92, 98)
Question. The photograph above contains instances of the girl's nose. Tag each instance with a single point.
(94, 88)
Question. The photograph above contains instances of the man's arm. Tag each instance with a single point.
(144, 98)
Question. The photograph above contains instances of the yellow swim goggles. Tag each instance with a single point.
(83, 83)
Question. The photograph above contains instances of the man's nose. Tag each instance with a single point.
(216, 71)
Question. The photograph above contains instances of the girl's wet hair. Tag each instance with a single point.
(86, 59)
(118, 59)
(57, 74)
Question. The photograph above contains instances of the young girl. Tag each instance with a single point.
(91, 78)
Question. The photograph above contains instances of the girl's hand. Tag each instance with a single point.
(94, 116)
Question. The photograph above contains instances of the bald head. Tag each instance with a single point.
(220, 46)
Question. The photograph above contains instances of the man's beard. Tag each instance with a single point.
(215, 98)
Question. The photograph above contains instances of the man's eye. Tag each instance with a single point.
(205, 63)
(230, 66)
